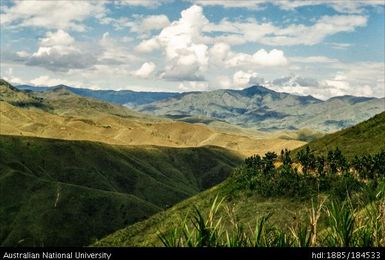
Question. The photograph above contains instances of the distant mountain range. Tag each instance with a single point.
(255, 107)
(122, 97)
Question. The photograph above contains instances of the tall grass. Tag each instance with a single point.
(343, 225)
(353, 216)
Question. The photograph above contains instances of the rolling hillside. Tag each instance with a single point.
(14, 96)
(247, 206)
(247, 209)
(57, 192)
(364, 138)
(73, 117)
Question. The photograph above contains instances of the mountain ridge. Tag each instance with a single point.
(115, 96)
(256, 107)
(248, 89)
(263, 109)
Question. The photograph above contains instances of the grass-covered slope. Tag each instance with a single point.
(13, 96)
(366, 137)
(313, 208)
(245, 207)
(248, 205)
(58, 193)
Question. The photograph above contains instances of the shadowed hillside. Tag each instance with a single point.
(57, 192)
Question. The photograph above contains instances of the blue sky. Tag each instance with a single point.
(320, 48)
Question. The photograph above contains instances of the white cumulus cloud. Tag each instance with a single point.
(58, 52)
(148, 46)
(260, 58)
(243, 79)
(145, 70)
(66, 15)
(186, 57)
(154, 22)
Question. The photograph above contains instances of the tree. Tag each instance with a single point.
(285, 157)
(337, 161)
(254, 162)
(320, 165)
(307, 160)
(269, 159)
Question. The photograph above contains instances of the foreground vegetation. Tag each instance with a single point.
(344, 226)
(347, 204)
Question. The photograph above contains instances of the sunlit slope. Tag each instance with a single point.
(58, 192)
(68, 116)
(364, 138)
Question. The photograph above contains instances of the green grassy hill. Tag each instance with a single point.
(247, 206)
(363, 138)
(62, 193)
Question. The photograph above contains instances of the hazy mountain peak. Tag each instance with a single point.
(62, 89)
(351, 99)
(257, 90)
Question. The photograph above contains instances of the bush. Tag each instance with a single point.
(343, 186)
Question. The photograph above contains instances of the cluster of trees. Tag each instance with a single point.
(364, 167)
(307, 173)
